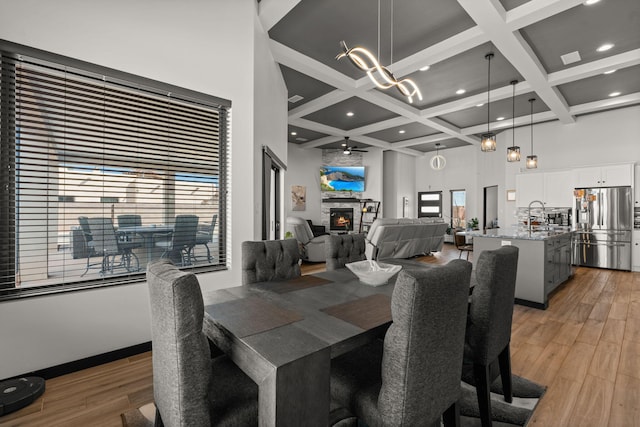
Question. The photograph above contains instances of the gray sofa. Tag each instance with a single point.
(311, 248)
(405, 237)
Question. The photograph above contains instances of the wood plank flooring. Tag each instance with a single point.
(585, 348)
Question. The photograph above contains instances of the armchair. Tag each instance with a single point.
(311, 248)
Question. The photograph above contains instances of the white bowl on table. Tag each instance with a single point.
(373, 273)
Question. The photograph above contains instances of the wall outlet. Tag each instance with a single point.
(505, 243)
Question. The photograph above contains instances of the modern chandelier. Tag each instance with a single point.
(381, 76)
(488, 142)
(513, 152)
(532, 160)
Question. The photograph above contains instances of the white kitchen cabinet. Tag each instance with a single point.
(529, 187)
(635, 251)
(558, 189)
(604, 176)
(554, 189)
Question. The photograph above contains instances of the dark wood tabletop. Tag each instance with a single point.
(284, 334)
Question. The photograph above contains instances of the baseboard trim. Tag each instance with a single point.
(89, 362)
(531, 304)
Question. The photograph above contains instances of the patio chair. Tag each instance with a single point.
(106, 243)
(181, 240)
(204, 236)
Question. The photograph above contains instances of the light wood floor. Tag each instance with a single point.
(585, 348)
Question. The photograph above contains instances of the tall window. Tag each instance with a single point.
(430, 204)
(458, 209)
(80, 143)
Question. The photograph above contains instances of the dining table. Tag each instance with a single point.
(283, 334)
(146, 233)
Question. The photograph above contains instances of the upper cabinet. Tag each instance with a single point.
(636, 187)
(604, 176)
(554, 189)
(529, 187)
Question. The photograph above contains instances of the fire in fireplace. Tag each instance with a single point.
(341, 219)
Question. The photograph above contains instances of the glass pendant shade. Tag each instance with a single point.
(488, 142)
(513, 154)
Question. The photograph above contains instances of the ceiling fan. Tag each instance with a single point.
(348, 149)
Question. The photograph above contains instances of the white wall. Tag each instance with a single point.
(270, 121)
(460, 173)
(208, 47)
(399, 181)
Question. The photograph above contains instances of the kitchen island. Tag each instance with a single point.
(544, 260)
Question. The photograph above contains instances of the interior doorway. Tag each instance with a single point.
(272, 168)
(490, 219)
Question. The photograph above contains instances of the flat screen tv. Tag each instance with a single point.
(342, 178)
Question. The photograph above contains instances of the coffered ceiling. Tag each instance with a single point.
(527, 38)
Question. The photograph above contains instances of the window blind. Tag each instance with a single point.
(79, 144)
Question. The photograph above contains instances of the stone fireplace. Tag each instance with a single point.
(341, 219)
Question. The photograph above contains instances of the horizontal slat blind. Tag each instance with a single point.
(91, 146)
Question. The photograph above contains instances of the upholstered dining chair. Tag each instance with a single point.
(268, 260)
(413, 377)
(488, 332)
(344, 248)
(189, 388)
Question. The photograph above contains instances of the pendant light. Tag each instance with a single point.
(381, 76)
(488, 142)
(438, 161)
(532, 160)
(513, 152)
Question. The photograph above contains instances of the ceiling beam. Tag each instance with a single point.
(421, 140)
(490, 17)
(319, 103)
(272, 11)
(536, 10)
(593, 68)
(543, 116)
(607, 104)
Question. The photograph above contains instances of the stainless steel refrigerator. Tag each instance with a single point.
(604, 220)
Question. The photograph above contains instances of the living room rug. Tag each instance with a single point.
(526, 395)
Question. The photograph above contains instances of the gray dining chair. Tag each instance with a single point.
(268, 260)
(488, 331)
(344, 248)
(413, 377)
(179, 242)
(190, 388)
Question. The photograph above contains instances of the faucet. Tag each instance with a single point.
(529, 213)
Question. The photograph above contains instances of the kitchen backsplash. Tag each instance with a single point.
(558, 216)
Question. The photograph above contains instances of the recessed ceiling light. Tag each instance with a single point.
(479, 105)
(301, 139)
(294, 133)
(609, 72)
(605, 47)
(425, 68)
(612, 94)
(460, 91)
(350, 114)
(590, 2)
(500, 118)
(401, 131)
